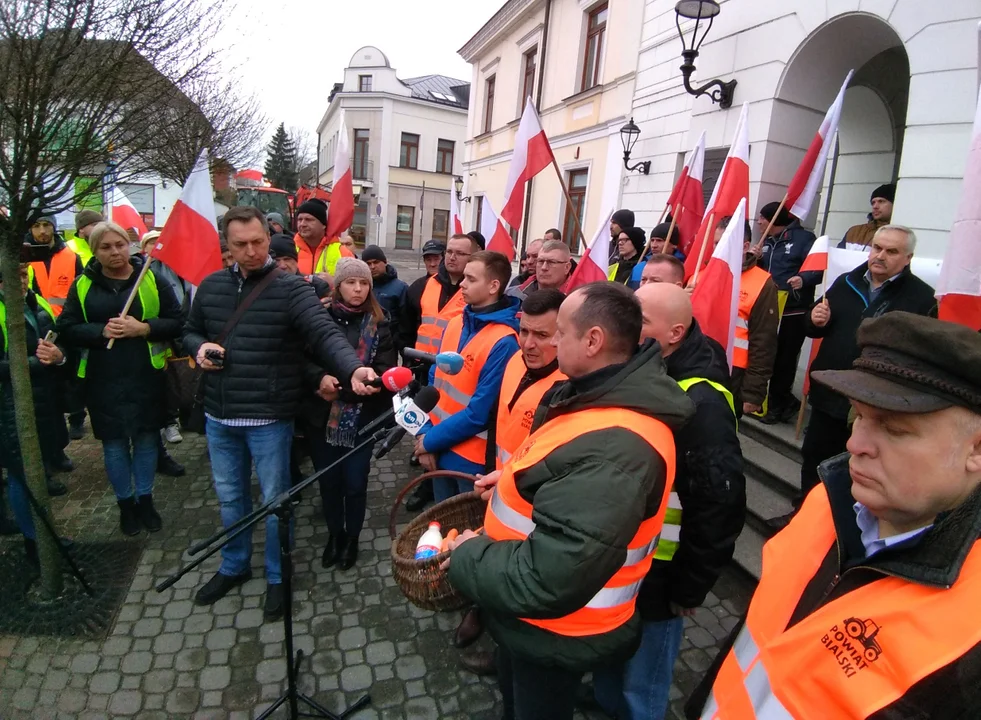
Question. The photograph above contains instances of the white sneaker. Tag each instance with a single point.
(172, 434)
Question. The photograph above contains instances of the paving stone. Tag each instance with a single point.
(105, 682)
(125, 702)
(355, 678)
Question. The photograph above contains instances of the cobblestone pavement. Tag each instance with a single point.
(167, 658)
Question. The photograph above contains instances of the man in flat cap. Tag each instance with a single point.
(867, 606)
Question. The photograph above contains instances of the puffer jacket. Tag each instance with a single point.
(263, 372)
(50, 421)
(123, 392)
(589, 498)
(709, 482)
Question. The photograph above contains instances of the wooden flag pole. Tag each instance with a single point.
(665, 211)
(132, 295)
(701, 250)
(650, 240)
(770, 226)
(568, 199)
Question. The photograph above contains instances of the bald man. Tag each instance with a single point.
(698, 542)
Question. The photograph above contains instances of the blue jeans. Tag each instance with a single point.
(125, 470)
(20, 506)
(445, 488)
(638, 689)
(232, 450)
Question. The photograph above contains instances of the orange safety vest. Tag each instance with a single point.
(514, 425)
(750, 287)
(455, 391)
(54, 284)
(324, 259)
(851, 657)
(434, 320)
(509, 516)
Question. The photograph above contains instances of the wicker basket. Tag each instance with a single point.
(421, 581)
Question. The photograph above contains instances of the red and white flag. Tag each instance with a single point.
(493, 230)
(715, 301)
(810, 175)
(340, 216)
(817, 256)
(959, 287)
(456, 217)
(125, 214)
(532, 154)
(594, 266)
(188, 243)
(687, 198)
(732, 187)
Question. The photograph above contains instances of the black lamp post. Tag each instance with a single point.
(628, 136)
(700, 11)
(458, 184)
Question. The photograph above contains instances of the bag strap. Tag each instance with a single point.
(247, 303)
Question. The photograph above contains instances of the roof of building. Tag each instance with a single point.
(440, 89)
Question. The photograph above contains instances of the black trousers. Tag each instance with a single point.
(789, 342)
(535, 692)
(824, 438)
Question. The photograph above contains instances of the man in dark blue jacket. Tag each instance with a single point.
(392, 293)
(784, 252)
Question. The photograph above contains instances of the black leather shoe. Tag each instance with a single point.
(56, 488)
(219, 586)
(469, 630)
(332, 550)
(62, 464)
(273, 609)
(166, 465)
(129, 517)
(480, 663)
(76, 432)
(420, 497)
(148, 514)
(349, 554)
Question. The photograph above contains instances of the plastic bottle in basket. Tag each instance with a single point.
(430, 542)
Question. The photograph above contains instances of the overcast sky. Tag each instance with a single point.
(291, 52)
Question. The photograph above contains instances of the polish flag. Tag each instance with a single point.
(688, 207)
(340, 215)
(817, 257)
(188, 243)
(959, 287)
(732, 187)
(498, 239)
(124, 213)
(532, 154)
(456, 217)
(809, 177)
(594, 266)
(715, 301)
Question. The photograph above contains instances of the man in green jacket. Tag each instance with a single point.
(589, 499)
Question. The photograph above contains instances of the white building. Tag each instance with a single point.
(406, 139)
(907, 113)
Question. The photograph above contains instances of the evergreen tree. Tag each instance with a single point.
(281, 168)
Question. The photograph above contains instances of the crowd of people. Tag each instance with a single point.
(600, 425)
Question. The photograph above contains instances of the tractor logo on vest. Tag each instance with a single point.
(523, 450)
(469, 360)
(527, 419)
(63, 281)
(854, 644)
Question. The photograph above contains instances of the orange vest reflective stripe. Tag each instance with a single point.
(455, 391)
(434, 320)
(750, 287)
(324, 259)
(514, 425)
(54, 284)
(509, 516)
(850, 658)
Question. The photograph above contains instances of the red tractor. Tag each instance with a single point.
(865, 631)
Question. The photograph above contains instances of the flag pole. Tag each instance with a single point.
(132, 296)
(568, 199)
(665, 211)
(800, 416)
(701, 250)
(773, 220)
(674, 222)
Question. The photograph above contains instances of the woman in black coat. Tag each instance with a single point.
(125, 388)
(332, 427)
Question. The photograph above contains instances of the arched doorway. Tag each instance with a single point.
(870, 137)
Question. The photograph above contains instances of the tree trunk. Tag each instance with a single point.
(30, 448)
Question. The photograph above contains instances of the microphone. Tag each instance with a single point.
(411, 416)
(449, 362)
(396, 378)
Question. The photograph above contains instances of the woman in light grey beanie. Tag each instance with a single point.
(350, 268)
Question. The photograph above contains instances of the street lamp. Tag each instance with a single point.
(700, 10)
(628, 136)
(458, 184)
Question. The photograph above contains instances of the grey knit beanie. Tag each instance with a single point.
(351, 267)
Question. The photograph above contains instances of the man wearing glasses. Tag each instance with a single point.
(552, 269)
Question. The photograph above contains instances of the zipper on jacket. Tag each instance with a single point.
(848, 281)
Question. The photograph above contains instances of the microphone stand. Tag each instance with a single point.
(282, 507)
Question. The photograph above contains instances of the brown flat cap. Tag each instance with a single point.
(912, 364)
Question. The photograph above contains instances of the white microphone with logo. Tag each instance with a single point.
(411, 415)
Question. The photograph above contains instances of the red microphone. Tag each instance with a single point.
(396, 378)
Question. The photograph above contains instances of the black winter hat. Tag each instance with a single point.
(373, 252)
(886, 192)
(637, 236)
(282, 246)
(661, 231)
(478, 238)
(770, 209)
(317, 208)
(912, 364)
(623, 218)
